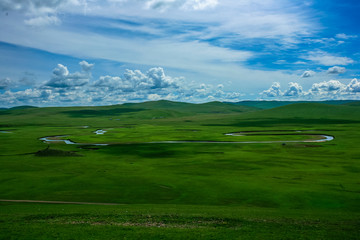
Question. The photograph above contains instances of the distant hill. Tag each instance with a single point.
(298, 114)
(211, 113)
(274, 104)
(210, 107)
(314, 111)
(354, 104)
(22, 107)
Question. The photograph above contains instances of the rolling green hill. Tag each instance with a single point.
(311, 111)
(274, 104)
(210, 107)
(124, 112)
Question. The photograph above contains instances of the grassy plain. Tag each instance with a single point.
(299, 190)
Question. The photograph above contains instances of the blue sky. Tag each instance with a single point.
(90, 52)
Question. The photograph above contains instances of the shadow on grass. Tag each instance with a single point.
(56, 153)
(143, 150)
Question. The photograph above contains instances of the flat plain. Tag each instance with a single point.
(181, 171)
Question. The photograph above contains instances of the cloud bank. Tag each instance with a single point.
(66, 88)
(326, 90)
(79, 88)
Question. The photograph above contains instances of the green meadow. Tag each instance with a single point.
(172, 172)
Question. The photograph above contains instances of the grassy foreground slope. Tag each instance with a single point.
(190, 190)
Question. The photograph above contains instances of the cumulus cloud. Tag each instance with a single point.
(353, 86)
(308, 74)
(325, 90)
(158, 79)
(63, 79)
(135, 80)
(336, 70)
(327, 59)
(294, 90)
(110, 82)
(327, 86)
(273, 91)
(85, 66)
(28, 96)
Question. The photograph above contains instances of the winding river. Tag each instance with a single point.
(323, 138)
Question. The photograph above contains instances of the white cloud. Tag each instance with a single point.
(273, 91)
(353, 86)
(280, 62)
(111, 83)
(86, 67)
(28, 96)
(135, 80)
(325, 90)
(200, 4)
(63, 79)
(158, 78)
(336, 70)
(327, 86)
(308, 74)
(327, 59)
(345, 36)
(294, 90)
(300, 62)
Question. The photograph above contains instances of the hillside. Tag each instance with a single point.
(274, 104)
(124, 112)
(210, 107)
(312, 111)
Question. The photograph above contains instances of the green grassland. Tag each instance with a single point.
(190, 190)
